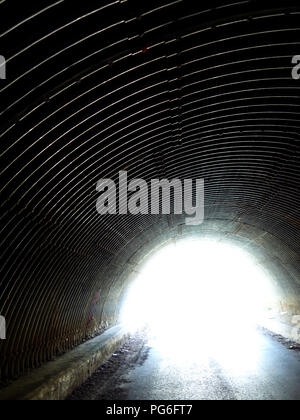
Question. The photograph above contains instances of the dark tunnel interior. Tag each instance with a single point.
(160, 89)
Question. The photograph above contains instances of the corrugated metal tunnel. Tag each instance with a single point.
(161, 89)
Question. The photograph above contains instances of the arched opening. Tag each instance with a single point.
(203, 292)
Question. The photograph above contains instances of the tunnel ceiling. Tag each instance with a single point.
(162, 89)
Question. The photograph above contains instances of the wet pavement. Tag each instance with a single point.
(262, 367)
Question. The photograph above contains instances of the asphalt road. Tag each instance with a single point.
(260, 367)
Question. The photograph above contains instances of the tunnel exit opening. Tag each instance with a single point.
(203, 293)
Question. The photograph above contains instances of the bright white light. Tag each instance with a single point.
(202, 291)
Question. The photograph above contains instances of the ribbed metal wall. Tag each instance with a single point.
(185, 89)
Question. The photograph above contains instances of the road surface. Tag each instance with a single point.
(259, 368)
